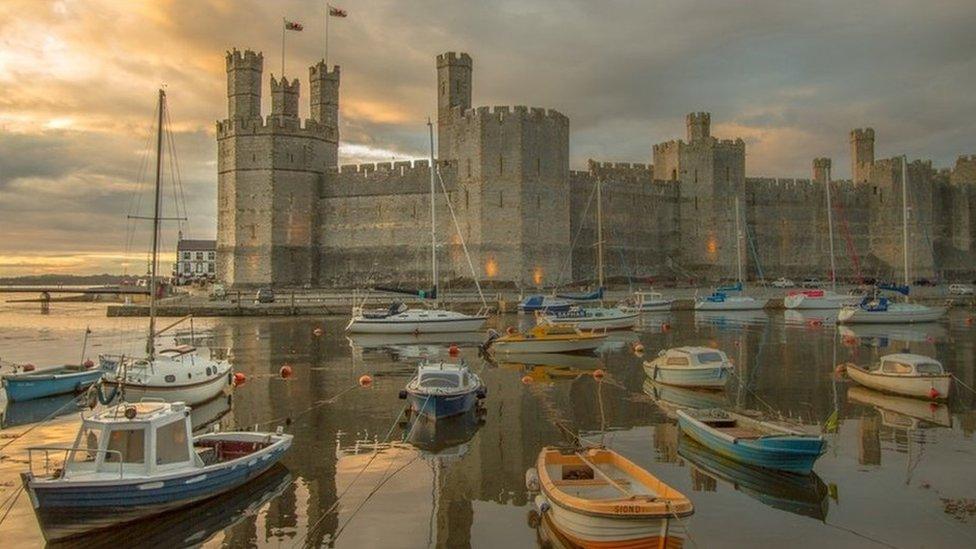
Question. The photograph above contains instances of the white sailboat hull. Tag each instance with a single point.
(897, 313)
(914, 386)
(828, 301)
(414, 322)
(734, 303)
(190, 394)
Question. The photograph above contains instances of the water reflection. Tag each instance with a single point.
(548, 535)
(32, 411)
(670, 399)
(902, 412)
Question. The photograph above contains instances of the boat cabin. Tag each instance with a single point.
(693, 357)
(443, 375)
(132, 440)
(910, 365)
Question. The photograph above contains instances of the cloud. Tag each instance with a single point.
(78, 81)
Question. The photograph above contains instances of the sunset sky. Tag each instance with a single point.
(78, 81)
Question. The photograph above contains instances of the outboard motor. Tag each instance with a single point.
(492, 336)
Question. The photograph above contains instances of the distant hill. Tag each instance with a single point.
(64, 280)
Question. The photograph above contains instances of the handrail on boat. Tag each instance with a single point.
(66, 449)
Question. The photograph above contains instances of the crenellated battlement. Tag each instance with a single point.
(247, 59)
(506, 114)
(320, 71)
(284, 85)
(453, 58)
(275, 125)
(862, 133)
(620, 171)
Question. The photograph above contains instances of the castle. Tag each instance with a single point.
(288, 215)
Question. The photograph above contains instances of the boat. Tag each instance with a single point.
(752, 441)
(398, 318)
(646, 302)
(546, 337)
(68, 379)
(594, 318)
(730, 298)
(820, 299)
(877, 309)
(444, 436)
(176, 373)
(596, 497)
(132, 461)
(443, 389)
(905, 374)
(582, 297)
(690, 367)
(16, 414)
(804, 495)
(535, 303)
(902, 412)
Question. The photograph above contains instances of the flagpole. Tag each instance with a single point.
(282, 47)
(327, 17)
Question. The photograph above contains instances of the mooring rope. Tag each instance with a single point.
(43, 421)
(12, 499)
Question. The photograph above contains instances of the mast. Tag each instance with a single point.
(150, 347)
(433, 224)
(599, 233)
(904, 213)
(830, 230)
(738, 242)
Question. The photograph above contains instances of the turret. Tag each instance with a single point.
(821, 169)
(698, 126)
(453, 91)
(284, 98)
(324, 89)
(862, 154)
(244, 84)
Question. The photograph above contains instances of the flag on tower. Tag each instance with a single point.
(293, 26)
(337, 12)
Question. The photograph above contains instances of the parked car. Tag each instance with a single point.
(811, 283)
(782, 282)
(265, 295)
(960, 289)
(923, 282)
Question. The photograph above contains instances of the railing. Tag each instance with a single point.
(67, 450)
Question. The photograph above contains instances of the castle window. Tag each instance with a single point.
(501, 165)
(696, 175)
(443, 88)
(469, 167)
(674, 174)
(500, 203)
(538, 167)
(253, 157)
(467, 203)
(728, 174)
(696, 202)
(538, 201)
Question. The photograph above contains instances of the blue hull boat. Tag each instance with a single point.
(535, 303)
(751, 441)
(441, 406)
(24, 413)
(443, 389)
(44, 383)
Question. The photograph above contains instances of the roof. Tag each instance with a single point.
(908, 358)
(695, 350)
(144, 411)
(196, 245)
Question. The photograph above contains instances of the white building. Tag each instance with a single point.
(195, 259)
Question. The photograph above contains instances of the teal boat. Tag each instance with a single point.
(71, 378)
(751, 441)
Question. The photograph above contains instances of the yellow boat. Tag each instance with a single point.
(597, 497)
(547, 337)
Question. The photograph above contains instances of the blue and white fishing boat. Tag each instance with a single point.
(578, 297)
(594, 318)
(545, 303)
(443, 389)
(71, 378)
(132, 461)
(690, 367)
(751, 441)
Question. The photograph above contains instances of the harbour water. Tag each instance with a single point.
(898, 472)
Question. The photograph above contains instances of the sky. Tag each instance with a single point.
(78, 84)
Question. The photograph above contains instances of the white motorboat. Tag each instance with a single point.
(880, 310)
(820, 299)
(399, 319)
(594, 318)
(646, 302)
(905, 374)
(690, 367)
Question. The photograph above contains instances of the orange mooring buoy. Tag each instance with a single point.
(526, 380)
(453, 350)
(365, 380)
(285, 371)
(510, 330)
(840, 369)
(318, 332)
(639, 348)
(28, 367)
(598, 374)
(665, 327)
(934, 393)
(239, 379)
(88, 363)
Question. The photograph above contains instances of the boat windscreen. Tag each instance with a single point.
(709, 358)
(929, 368)
(438, 379)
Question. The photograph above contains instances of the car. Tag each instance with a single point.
(811, 283)
(923, 282)
(961, 289)
(782, 282)
(265, 295)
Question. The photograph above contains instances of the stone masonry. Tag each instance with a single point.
(289, 215)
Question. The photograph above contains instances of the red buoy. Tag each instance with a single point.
(526, 380)
(840, 369)
(510, 330)
(969, 320)
(453, 350)
(665, 327)
(934, 393)
(318, 332)
(28, 367)
(285, 371)
(929, 339)
(598, 374)
(365, 380)
(88, 363)
(239, 379)
(639, 348)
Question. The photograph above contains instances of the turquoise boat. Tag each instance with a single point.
(31, 385)
(751, 441)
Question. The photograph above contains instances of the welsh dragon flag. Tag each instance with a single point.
(293, 26)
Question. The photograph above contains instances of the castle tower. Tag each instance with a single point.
(698, 126)
(270, 175)
(862, 154)
(821, 169)
(244, 84)
(324, 101)
(284, 98)
(453, 92)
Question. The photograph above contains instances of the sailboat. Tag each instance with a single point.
(593, 318)
(720, 300)
(400, 319)
(878, 309)
(823, 299)
(176, 373)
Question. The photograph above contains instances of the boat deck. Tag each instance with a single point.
(733, 428)
(580, 481)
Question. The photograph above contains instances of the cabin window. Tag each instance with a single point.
(436, 379)
(89, 441)
(171, 446)
(131, 443)
(208, 370)
(677, 361)
(892, 367)
(170, 378)
(929, 369)
(708, 358)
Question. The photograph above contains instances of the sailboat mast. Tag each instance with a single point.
(150, 347)
(738, 242)
(830, 230)
(599, 233)
(433, 224)
(904, 212)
